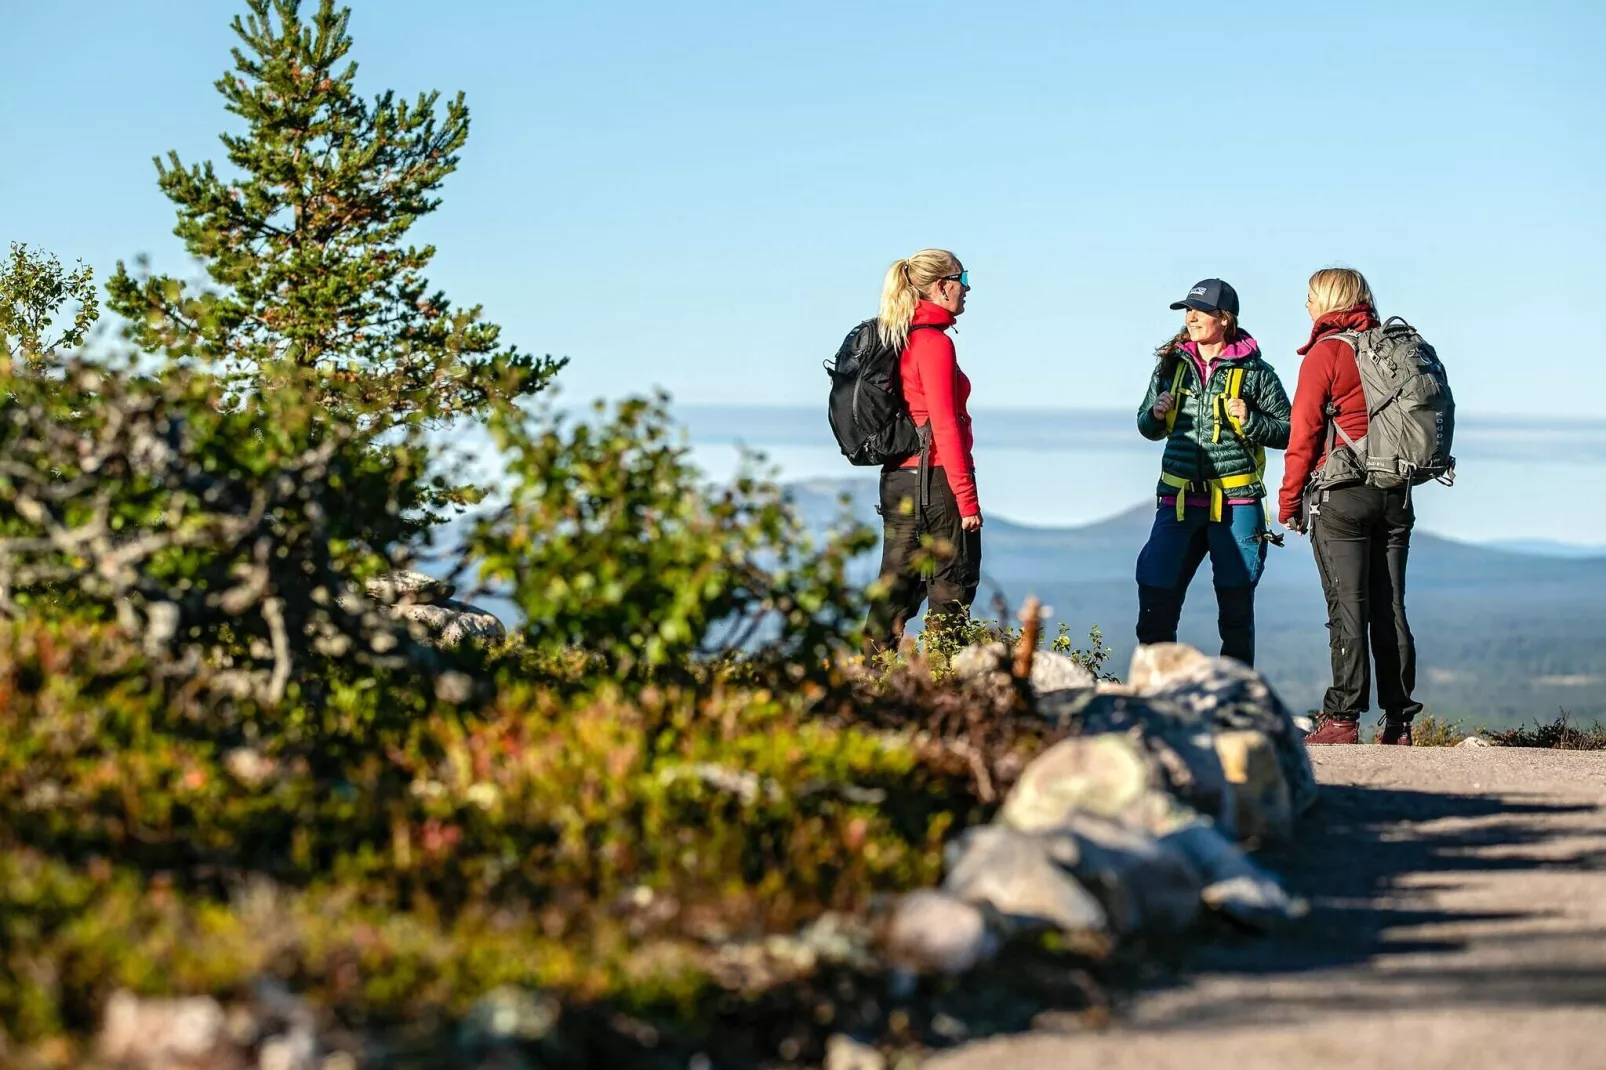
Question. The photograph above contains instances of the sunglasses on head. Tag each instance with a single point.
(963, 277)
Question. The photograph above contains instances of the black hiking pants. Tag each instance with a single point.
(947, 572)
(1361, 537)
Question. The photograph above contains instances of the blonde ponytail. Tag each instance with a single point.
(906, 280)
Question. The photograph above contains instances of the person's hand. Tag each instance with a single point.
(970, 523)
(1238, 409)
(1294, 522)
(1162, 405)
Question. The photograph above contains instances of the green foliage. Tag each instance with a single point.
(221, 760)
(231, 548)
(607, 545)
(35, 291)
(1560, 734)
(304, 243)
(1430, 731)
(939, 645)
(594, 846)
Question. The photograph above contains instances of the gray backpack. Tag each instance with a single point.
(1410, 413)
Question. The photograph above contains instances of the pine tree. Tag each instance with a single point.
(304, 243)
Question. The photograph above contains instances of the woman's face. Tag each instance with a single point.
(1204, 328)
(1310, 304)
(950, 290)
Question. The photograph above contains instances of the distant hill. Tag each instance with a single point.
(1503, 636)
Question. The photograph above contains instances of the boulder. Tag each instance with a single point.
(1134, 762)
(1262, 806)
(1087, 876)
(1228, 696)
(158, 1034)
(1051, 671)
(935, 932)
(1013, 872)
(1233, 885)
(1474, 742)
(842, 1052)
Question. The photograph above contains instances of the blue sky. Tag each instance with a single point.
(704, 196)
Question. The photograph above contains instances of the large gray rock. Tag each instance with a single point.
(1233, 885)
(1226, 695)
(1013, 872)
(1051, 672)
(159, 1034)
(1134, 763)
(934, 932)
(1085, 876)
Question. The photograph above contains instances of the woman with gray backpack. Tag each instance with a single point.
(1372, 417)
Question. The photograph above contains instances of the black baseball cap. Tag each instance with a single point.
(1211, 295)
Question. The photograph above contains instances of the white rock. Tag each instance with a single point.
(933, 931)
(1109, 775)
(295, 1050)
(1474, 742)
(1144, 883)
(157, 1033)
(1052, 671)
(1234, 885)
(842, 1052)
(1012, 871)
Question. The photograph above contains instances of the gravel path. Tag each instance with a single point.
(1458, 920)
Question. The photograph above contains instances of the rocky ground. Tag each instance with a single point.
(1458, 920)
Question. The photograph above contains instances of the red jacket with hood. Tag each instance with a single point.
(938, 392)
(1328, 377)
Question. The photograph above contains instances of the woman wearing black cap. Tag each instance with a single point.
(1218, 405)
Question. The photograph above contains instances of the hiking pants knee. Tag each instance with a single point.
(1237, 549)
(925, 555)
(1361, 537)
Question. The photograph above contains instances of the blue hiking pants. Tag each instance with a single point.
(1176, 548)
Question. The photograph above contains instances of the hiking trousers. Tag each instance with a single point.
(946, 572)
(1176, 548)
(1361, 537)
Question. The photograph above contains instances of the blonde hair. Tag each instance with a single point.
(906, 281)
(1339, 288)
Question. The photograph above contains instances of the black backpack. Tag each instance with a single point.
(867, 411)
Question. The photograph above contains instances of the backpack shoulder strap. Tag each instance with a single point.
(1176, 394)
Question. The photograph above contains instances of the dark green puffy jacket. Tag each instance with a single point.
(1202, 445)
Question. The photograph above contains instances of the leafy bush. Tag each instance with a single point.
(607, 545)
(1560, 734)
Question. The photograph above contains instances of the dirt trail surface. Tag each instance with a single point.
(1458, 919)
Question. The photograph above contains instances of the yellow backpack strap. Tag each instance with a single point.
(1176, 397)
(1235, 386)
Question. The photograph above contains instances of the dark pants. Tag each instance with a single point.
(1361, 537)
(1175, 550)
(924, 554)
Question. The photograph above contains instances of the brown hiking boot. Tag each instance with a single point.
(1395, 733)
(1334, 730)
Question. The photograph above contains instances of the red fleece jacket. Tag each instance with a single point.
(937, 392)
(1328, 376)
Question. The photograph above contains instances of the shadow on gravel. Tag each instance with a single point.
(1365, 859)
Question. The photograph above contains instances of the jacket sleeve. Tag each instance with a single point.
(1268, 420)
(1150, 428)
(939, 377)
(1306, 426)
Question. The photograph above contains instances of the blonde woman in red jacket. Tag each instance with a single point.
(1361, 535)
(921, 298)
